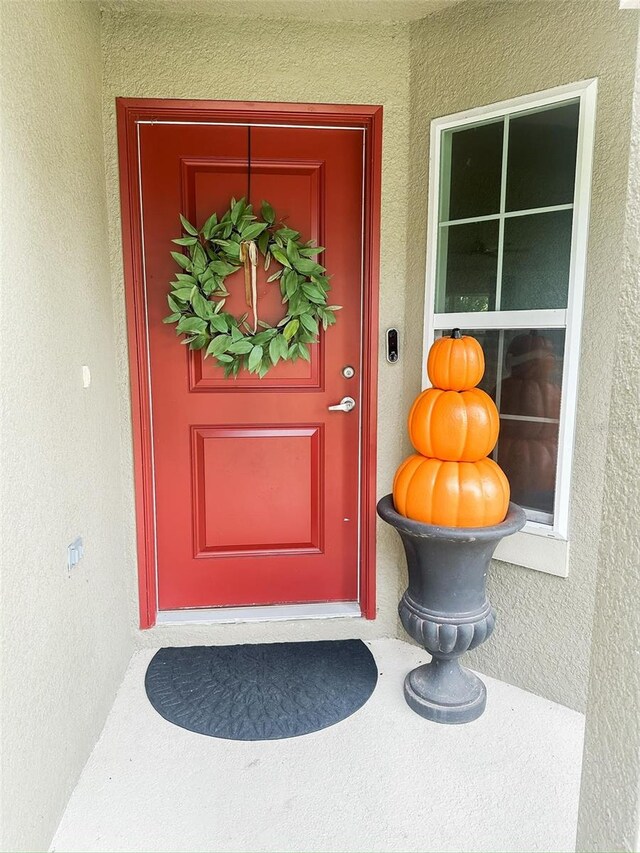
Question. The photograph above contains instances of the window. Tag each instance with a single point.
(508, 220)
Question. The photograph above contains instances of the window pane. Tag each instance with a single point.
(523, 375)
(528, 455)
(531, 378)
(542, 158)
(536, 261)
(473, 186)
(467, 267)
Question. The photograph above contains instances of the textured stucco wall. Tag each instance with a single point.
(292, 10)
(66, 638)
(457, 59)
(151, 55)
(480, 54)
(609, 817)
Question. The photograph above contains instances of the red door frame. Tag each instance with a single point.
(131, 110)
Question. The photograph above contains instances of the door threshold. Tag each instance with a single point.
(260, 613)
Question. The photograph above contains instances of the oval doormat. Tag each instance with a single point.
(261, 692)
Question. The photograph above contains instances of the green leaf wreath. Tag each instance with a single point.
(218, 250)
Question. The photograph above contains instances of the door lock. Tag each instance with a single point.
(345, 405)
(348, 372)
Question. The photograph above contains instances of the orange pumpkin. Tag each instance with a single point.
(451, 494)
(454, 425)
(455, 363)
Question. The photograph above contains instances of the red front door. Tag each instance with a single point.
(255, 482)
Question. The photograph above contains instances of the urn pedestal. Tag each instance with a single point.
(446, 609)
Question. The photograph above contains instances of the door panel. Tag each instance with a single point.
(288, 460)
(256, 481)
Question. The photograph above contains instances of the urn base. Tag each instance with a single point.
(445, 692)
(446, 609)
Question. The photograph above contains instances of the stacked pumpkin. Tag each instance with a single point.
(451, 481)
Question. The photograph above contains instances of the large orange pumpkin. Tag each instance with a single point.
(455, 363)
(454, 425)
(451, 494)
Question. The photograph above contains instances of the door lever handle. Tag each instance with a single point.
(345, 405)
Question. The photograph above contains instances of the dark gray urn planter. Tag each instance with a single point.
(446, 609)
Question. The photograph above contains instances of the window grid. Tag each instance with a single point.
(539, 318)
(568, 319)
(507, 214)
(534, 419)
(533, 515)
(499, 370)
(503, 207)
(475, 320)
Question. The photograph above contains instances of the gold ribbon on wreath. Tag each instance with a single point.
(249, 258)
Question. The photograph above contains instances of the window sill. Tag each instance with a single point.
(542, 553)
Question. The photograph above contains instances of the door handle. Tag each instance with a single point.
(345, 405)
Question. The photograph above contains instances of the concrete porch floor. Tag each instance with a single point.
(382, 780)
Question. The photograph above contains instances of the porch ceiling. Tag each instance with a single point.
(334, 10)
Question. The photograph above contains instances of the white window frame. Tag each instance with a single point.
(538, 546)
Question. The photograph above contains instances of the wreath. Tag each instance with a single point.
(199, 292)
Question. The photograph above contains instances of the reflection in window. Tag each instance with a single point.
(523, 374)
(506, 260)
(542, 157)
(529, 402)
(468, 262)
(535, 268)
(476, 165)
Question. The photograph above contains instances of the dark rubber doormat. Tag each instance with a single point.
(261, 692)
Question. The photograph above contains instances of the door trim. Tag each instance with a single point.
(259, 613)
(134, 111)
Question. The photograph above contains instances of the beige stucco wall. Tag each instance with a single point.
(610, 798)
(480, 54)
(66, 638)
(274, 60)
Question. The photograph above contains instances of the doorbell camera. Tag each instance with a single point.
(393, 353)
